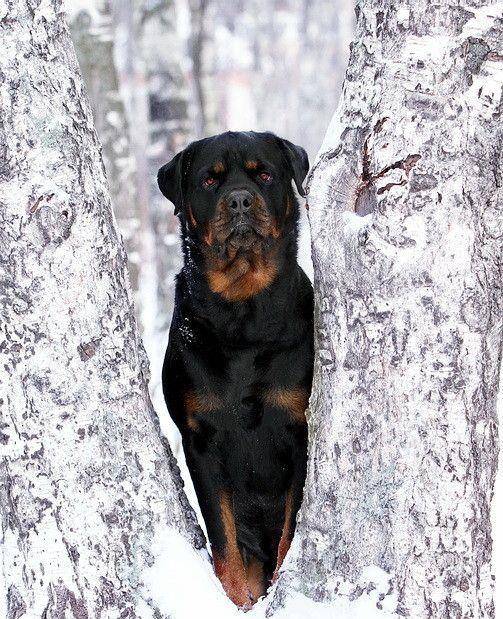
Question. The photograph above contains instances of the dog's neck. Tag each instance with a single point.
(242, 276)
(267, 318)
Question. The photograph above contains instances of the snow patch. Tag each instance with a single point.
(431, 47)
(354, 223)
(181, 583)
(402, 16)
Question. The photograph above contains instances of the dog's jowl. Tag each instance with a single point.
(238, 368)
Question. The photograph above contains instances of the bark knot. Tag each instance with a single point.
(87, 349)
(364, 195)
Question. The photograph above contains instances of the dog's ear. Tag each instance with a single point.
(170, 180)
(299, 162)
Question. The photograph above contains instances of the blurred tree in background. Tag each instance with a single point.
(161, 73)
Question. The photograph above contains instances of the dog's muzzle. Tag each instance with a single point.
(242, 230)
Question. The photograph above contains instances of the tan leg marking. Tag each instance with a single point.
(229, 565)
(285, 541)
(255, 577)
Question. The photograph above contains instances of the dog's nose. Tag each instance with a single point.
(240, 201)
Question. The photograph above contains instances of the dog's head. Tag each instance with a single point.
(233, 193)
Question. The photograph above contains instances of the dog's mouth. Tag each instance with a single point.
(243, 234)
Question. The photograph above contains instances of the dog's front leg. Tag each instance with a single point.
(215, 501)
(293, 500)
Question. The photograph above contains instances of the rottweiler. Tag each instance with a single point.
(238, 367)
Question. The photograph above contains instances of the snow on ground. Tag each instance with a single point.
(177, 567)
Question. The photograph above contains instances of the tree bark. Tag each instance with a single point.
(87, 485)
(405, 209)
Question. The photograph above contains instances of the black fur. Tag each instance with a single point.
(225, 355)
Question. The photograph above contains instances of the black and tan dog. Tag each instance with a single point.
(238, 368)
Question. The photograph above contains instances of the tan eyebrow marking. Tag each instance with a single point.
(219, 167)
(197, 403)
(251, 165)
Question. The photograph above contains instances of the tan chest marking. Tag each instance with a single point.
(242, 280)
(293, 399)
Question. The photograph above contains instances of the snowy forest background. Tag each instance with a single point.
(161, 73)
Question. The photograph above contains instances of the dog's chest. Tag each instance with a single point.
(242, 388)
(240, 375)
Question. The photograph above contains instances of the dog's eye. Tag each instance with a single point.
(209, 182)
(265, 176)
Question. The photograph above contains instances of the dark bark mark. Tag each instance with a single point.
(55, 223)
(38, 201)
(422, 182)
(4, 438)
(16, 606)
(404, 164)
(388, 186)
(475, 52)
(358, 355)
(87, 349)
(365, 194)
(61, 600)
(379, 125)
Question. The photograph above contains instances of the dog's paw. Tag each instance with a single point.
(238, 593)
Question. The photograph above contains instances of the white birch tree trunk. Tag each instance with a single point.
(87, 486)
(403, 428)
